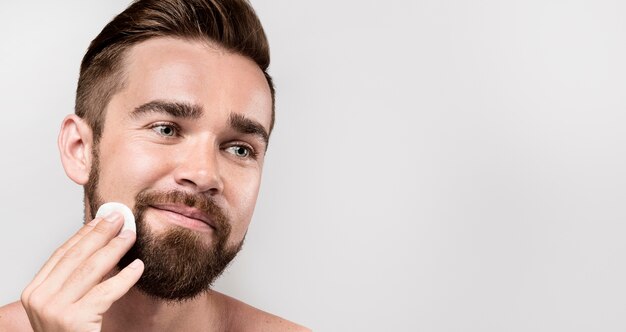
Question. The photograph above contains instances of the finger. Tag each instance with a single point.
(43, 273)
(91, 272)
(97, 238)
(103, 295)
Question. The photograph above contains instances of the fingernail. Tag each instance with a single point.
(113, 216)
(126, 234)
(93, 222)
(135, 264)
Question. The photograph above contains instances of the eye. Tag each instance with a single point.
(240, 151)
(165, 130)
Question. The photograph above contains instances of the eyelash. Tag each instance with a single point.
(252, 154)
(174, 127)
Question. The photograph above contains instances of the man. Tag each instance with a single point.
(174, 110)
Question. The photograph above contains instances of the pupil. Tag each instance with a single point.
(167, 130)
(241, 151)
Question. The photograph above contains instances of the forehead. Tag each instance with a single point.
(196, 73)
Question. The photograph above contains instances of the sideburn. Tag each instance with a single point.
(91, 187)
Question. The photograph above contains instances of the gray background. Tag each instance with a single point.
(436, 165)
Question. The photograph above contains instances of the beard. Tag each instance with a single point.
(179, 264)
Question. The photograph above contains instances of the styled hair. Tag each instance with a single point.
(230, 24)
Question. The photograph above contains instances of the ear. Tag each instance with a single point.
(75, 144)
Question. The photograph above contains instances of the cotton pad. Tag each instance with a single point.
(129, 219)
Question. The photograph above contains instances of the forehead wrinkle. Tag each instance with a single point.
(173, 108)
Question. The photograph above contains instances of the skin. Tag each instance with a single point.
(156, 150)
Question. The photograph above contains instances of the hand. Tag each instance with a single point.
(68, 293)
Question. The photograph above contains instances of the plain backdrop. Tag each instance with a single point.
(436, 165)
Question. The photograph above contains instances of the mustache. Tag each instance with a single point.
(201, 202)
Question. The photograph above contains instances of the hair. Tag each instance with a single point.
(231, 24)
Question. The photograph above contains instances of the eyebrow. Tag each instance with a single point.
(248, 126)
(238, 122)
(175, 109)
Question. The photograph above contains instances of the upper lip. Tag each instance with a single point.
(189, 212)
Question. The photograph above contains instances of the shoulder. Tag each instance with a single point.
(244, 317)
(13, 318)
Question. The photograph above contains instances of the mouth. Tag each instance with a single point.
(185, 216)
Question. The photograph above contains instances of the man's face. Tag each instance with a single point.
(183, 145)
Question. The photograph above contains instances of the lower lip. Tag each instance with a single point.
(182, 220)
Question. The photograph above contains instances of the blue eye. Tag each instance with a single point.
(240, 151)
(165, 130)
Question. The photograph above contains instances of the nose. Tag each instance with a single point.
(198, 169)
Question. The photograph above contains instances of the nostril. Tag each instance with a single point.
(213, 191)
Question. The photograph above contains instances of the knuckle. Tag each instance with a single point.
(81, 272)
(117, 243)
(101, 292)
(85, 229)
(72, 252)
(123, 276)
(103, 228)
(82, 232)
(36, 301)
(27, 291)
(61, 250)
(113, 249)
(25, 297)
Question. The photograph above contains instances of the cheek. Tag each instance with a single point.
(126, 170)
(242, 191)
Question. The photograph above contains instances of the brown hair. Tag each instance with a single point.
(232, 24)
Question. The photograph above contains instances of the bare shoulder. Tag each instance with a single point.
(13, 318)
(244, 317)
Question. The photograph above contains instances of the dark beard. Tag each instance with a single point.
(178, 264)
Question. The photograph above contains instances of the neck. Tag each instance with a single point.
(138, 312)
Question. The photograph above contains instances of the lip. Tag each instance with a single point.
(186, 211)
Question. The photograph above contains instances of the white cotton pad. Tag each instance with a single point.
(129, 218)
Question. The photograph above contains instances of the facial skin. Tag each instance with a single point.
(187, 134)
(174, 146)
